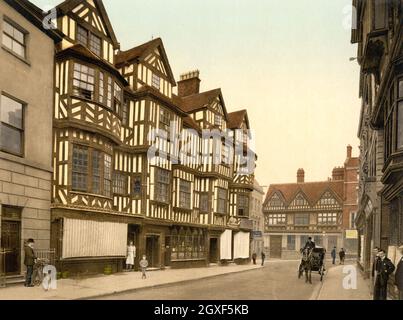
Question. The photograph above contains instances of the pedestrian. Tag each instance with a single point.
(29, 261)
(254, 257)
(333, 254)
(342, 255)
(399, 275)
(143, 266)
(374, 262)
(384, 268)
(131, 255)
(263, 258)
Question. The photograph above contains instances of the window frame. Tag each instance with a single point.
(220, 198)
(247, 203)
(154, 84)
(21, 130)
(299, 216)
(204, 208)
(328, 218)
(185, 194)
(160, 181)
(277, 219)
(20, 29)
(77, 90)
(398, 97)
(90, 171)
(119, 183)
(88, 39)
(136, 195)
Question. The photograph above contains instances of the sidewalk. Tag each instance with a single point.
(332, 287)
(70, 289)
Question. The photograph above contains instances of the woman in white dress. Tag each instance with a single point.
(131, 254)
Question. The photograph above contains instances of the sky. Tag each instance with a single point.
(286, 62)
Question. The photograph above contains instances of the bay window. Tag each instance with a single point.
(327, 218)
(276, 219)
(400, 115)
(83, 81)
(91, 171)
(302, 219)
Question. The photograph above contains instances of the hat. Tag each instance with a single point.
(30, 241)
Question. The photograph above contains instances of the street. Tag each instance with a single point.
(276, 281)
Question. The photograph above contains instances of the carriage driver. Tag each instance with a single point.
(309, 244)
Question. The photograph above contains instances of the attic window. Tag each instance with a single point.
(90, 40)
(156, 81)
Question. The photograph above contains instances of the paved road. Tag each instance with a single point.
(276, 281)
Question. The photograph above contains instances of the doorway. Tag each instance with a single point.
(213, 257)
(152, 251)
(11, 239)
(275, 246)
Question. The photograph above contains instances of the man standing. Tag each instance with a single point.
(342, 255)
(263, 258)
(254, 257)
(399, 275)
(384, 268)
(29, 261)
(333, 254)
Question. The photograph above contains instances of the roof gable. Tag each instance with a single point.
(237, 118)
(93, 12)
(147, 52)
(203, 101)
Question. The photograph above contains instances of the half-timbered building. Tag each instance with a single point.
(124, 167)
(378, 32)
(296, 211)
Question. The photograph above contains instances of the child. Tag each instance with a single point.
(143, 266)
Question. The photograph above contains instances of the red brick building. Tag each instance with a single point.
(322, 210)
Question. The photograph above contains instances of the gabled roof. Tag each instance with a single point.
(68, 5)
(140, 52)
(34, 15)
(235, 119)
(201, 101)
(313, 191)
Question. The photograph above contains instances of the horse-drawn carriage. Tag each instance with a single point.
(312, 260)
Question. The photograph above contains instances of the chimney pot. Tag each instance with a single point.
(349, 151)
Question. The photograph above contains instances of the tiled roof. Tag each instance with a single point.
(199, 101)
(235, 119)
(136, 52)
(311, 190)
(189, 122)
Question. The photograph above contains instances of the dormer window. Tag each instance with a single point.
(156, 83)
(90, 40)
(83, 81)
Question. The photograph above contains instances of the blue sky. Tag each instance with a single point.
(287, 62)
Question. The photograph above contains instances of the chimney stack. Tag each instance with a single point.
(338, 174)
(189, 84)
(300, 176)
(349, 152)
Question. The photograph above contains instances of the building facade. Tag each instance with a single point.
(321, 210)
(131, 160)
(378, 34)
(26, 57)
(257, 217)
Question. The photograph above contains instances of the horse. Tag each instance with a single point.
(306, 265)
